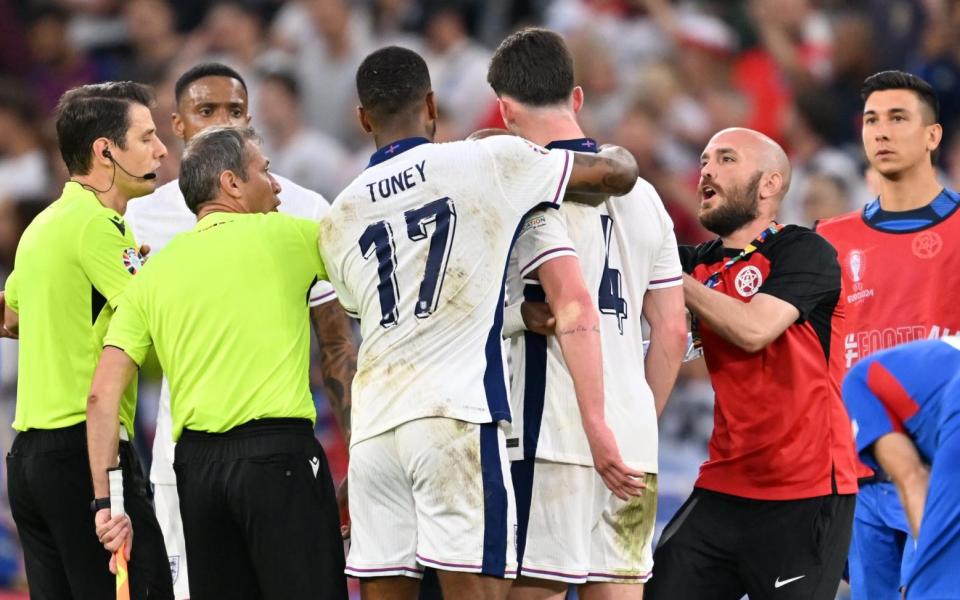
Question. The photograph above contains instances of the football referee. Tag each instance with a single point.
(72, 263)
(225, 306)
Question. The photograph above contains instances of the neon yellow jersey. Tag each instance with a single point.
(72, 263)
(225, 306)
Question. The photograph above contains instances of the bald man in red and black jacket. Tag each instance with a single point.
(772, 509)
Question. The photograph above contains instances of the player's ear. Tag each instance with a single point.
(364, 120)
(177, 121)
(506, 110)
(431, 101)
(934, 135)
(577, 98)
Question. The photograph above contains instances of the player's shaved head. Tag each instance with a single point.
(532, 66)
(761, 150)
(392, 82)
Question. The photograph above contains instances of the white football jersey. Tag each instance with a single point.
(417, 248)
(625, 247)
(156, 219)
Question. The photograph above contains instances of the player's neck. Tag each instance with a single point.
(545, 125)
(740, 238)
(382, 137)
(111, 196)
(909, 190)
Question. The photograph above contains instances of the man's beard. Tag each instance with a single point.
(740, 206)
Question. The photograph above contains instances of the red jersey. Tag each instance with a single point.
(780, 429)
(899, 273)
(898, 285)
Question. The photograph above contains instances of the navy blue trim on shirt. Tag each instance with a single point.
(576, 145)
(394, 148)
(914, 220)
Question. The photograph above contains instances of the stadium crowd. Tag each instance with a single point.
(660, 78)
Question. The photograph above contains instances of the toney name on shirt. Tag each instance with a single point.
(401, 182)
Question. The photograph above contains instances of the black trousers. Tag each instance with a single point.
(260, 516)
(48, 481)
(720, 547)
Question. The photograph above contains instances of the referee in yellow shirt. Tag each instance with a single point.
(225, 307)
(72, 263)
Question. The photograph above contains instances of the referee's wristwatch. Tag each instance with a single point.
(99, 504)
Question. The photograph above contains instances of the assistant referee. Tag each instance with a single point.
(72, 263)
(225, 306)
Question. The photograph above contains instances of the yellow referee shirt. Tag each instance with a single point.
(71, 265)
(225, 306)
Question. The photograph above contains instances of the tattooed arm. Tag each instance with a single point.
(612, 171)
(338, 359)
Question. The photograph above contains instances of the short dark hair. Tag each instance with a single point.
(533, 66)
(93, 111)
(207, 155)
(899, 80)
(390, 81)
(210, 69)
(285, 80)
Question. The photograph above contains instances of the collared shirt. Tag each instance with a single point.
(225, 306)
(417, 248)
(72, 263)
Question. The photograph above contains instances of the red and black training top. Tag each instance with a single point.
(780, 429)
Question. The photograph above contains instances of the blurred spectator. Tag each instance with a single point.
(23, 164)
(900, 25)
(458, 67)
(706, 48)
(307, 156)
(392, 23)
(14, 53)
(793, 51)
(233, 33)
(596, 72)
(938, 62)
(328, 41)
(853, 61)
(810, 123)
(657, 151)
(57, 64)
(154, 43)
(825, 196)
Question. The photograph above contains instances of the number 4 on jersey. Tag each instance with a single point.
(610, 297)
(378, 239)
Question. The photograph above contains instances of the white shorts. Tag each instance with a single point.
(576, 530)
(167, 505)
(432, 492)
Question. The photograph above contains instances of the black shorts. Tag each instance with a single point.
(259, 511)
(720, 547)
(48, 479)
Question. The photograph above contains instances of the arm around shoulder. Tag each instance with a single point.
(612, 171)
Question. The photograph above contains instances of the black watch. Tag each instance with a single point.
(99, 504)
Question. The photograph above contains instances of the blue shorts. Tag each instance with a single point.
(935, 571)
(880, 532)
